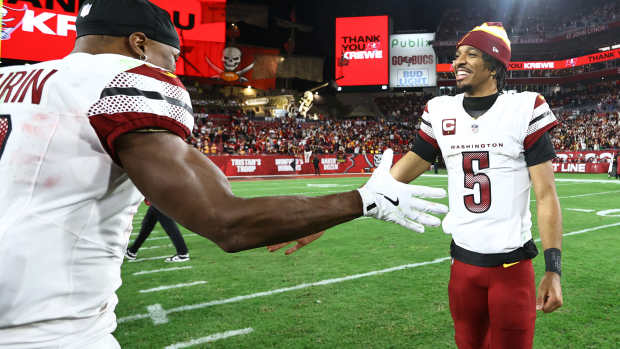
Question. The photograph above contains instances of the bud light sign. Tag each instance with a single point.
(412, 60)
(412, 77)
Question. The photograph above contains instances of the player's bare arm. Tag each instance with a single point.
(187, 186)
(409, 167)
(550, 227)
(204, 203)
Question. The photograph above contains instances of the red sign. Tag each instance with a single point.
(37, 30)
(592, 161)
(270, 165)
(580, 167)
(362, 56)
(552, 65)
(225, 64)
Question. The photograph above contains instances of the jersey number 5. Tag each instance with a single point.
(5, 131)
(471, 179)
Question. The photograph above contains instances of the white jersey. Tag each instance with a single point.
(488, 180)
(66, 205)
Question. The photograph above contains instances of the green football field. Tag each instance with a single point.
(364, 284)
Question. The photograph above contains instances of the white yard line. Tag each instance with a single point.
(604, 181)
(579, 210)
(211, 338)
(318, 283)
(582, 195)
(153, 247)
(148, 259)
(161, 270)
(163, 288)
(167, 237)
(154, 233)
(592, 229)
(589, 194)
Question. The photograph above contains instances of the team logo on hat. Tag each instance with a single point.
(85, 10)
(12, 18)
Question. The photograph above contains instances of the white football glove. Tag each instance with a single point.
(387, 199)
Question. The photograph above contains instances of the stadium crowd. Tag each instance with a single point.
(588, 115)
(530, 19)
(294, 136)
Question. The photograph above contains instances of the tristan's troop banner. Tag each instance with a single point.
(412, 60)
(270, 165)
(362, 50)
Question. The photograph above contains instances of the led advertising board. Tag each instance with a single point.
(412, 60)
(552, 65)
(40, 30)
(362, 50)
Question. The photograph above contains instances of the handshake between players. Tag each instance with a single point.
(385, 198)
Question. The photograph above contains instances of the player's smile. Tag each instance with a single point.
(472, 76)
(462, 73)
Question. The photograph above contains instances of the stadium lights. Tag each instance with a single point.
(249, 87)
(606, 48)
(615, 46)
(384, 87)
(339, 88)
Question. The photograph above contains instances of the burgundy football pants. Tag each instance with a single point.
(493, 307)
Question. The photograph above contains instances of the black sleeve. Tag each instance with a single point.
(424, 149)
(540, 151)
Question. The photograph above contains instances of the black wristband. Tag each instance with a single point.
(553, 260)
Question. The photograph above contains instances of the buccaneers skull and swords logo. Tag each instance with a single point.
(231, 59)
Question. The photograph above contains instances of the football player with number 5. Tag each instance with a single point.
(495, 146)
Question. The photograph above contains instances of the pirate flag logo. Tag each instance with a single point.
(11, 19)
(231, 59)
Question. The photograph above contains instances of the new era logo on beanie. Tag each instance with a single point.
(490, 38)
(123, 17)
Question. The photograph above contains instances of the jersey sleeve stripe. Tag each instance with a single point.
(425, 122)
(531, 139)
(539, 101)
(536, 119)
(145, 83)
(130, 91)
(110, 126)
(540, 122)
(158, 74)
(428, 139)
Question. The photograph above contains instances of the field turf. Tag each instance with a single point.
(364, 284)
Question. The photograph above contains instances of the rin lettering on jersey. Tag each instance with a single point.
(15, 86)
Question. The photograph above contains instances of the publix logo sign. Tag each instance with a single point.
(409, 43)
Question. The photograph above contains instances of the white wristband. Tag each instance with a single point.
(368, 200)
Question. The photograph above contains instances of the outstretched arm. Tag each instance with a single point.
(188, 187)
(409, 167)
(550, 228)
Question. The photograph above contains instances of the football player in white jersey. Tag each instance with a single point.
(495, 146)
(81, 138)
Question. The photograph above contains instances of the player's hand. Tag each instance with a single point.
(300, 243)
(387, 199)
(549, 293)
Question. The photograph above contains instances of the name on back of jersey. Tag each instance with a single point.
(15, 86)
